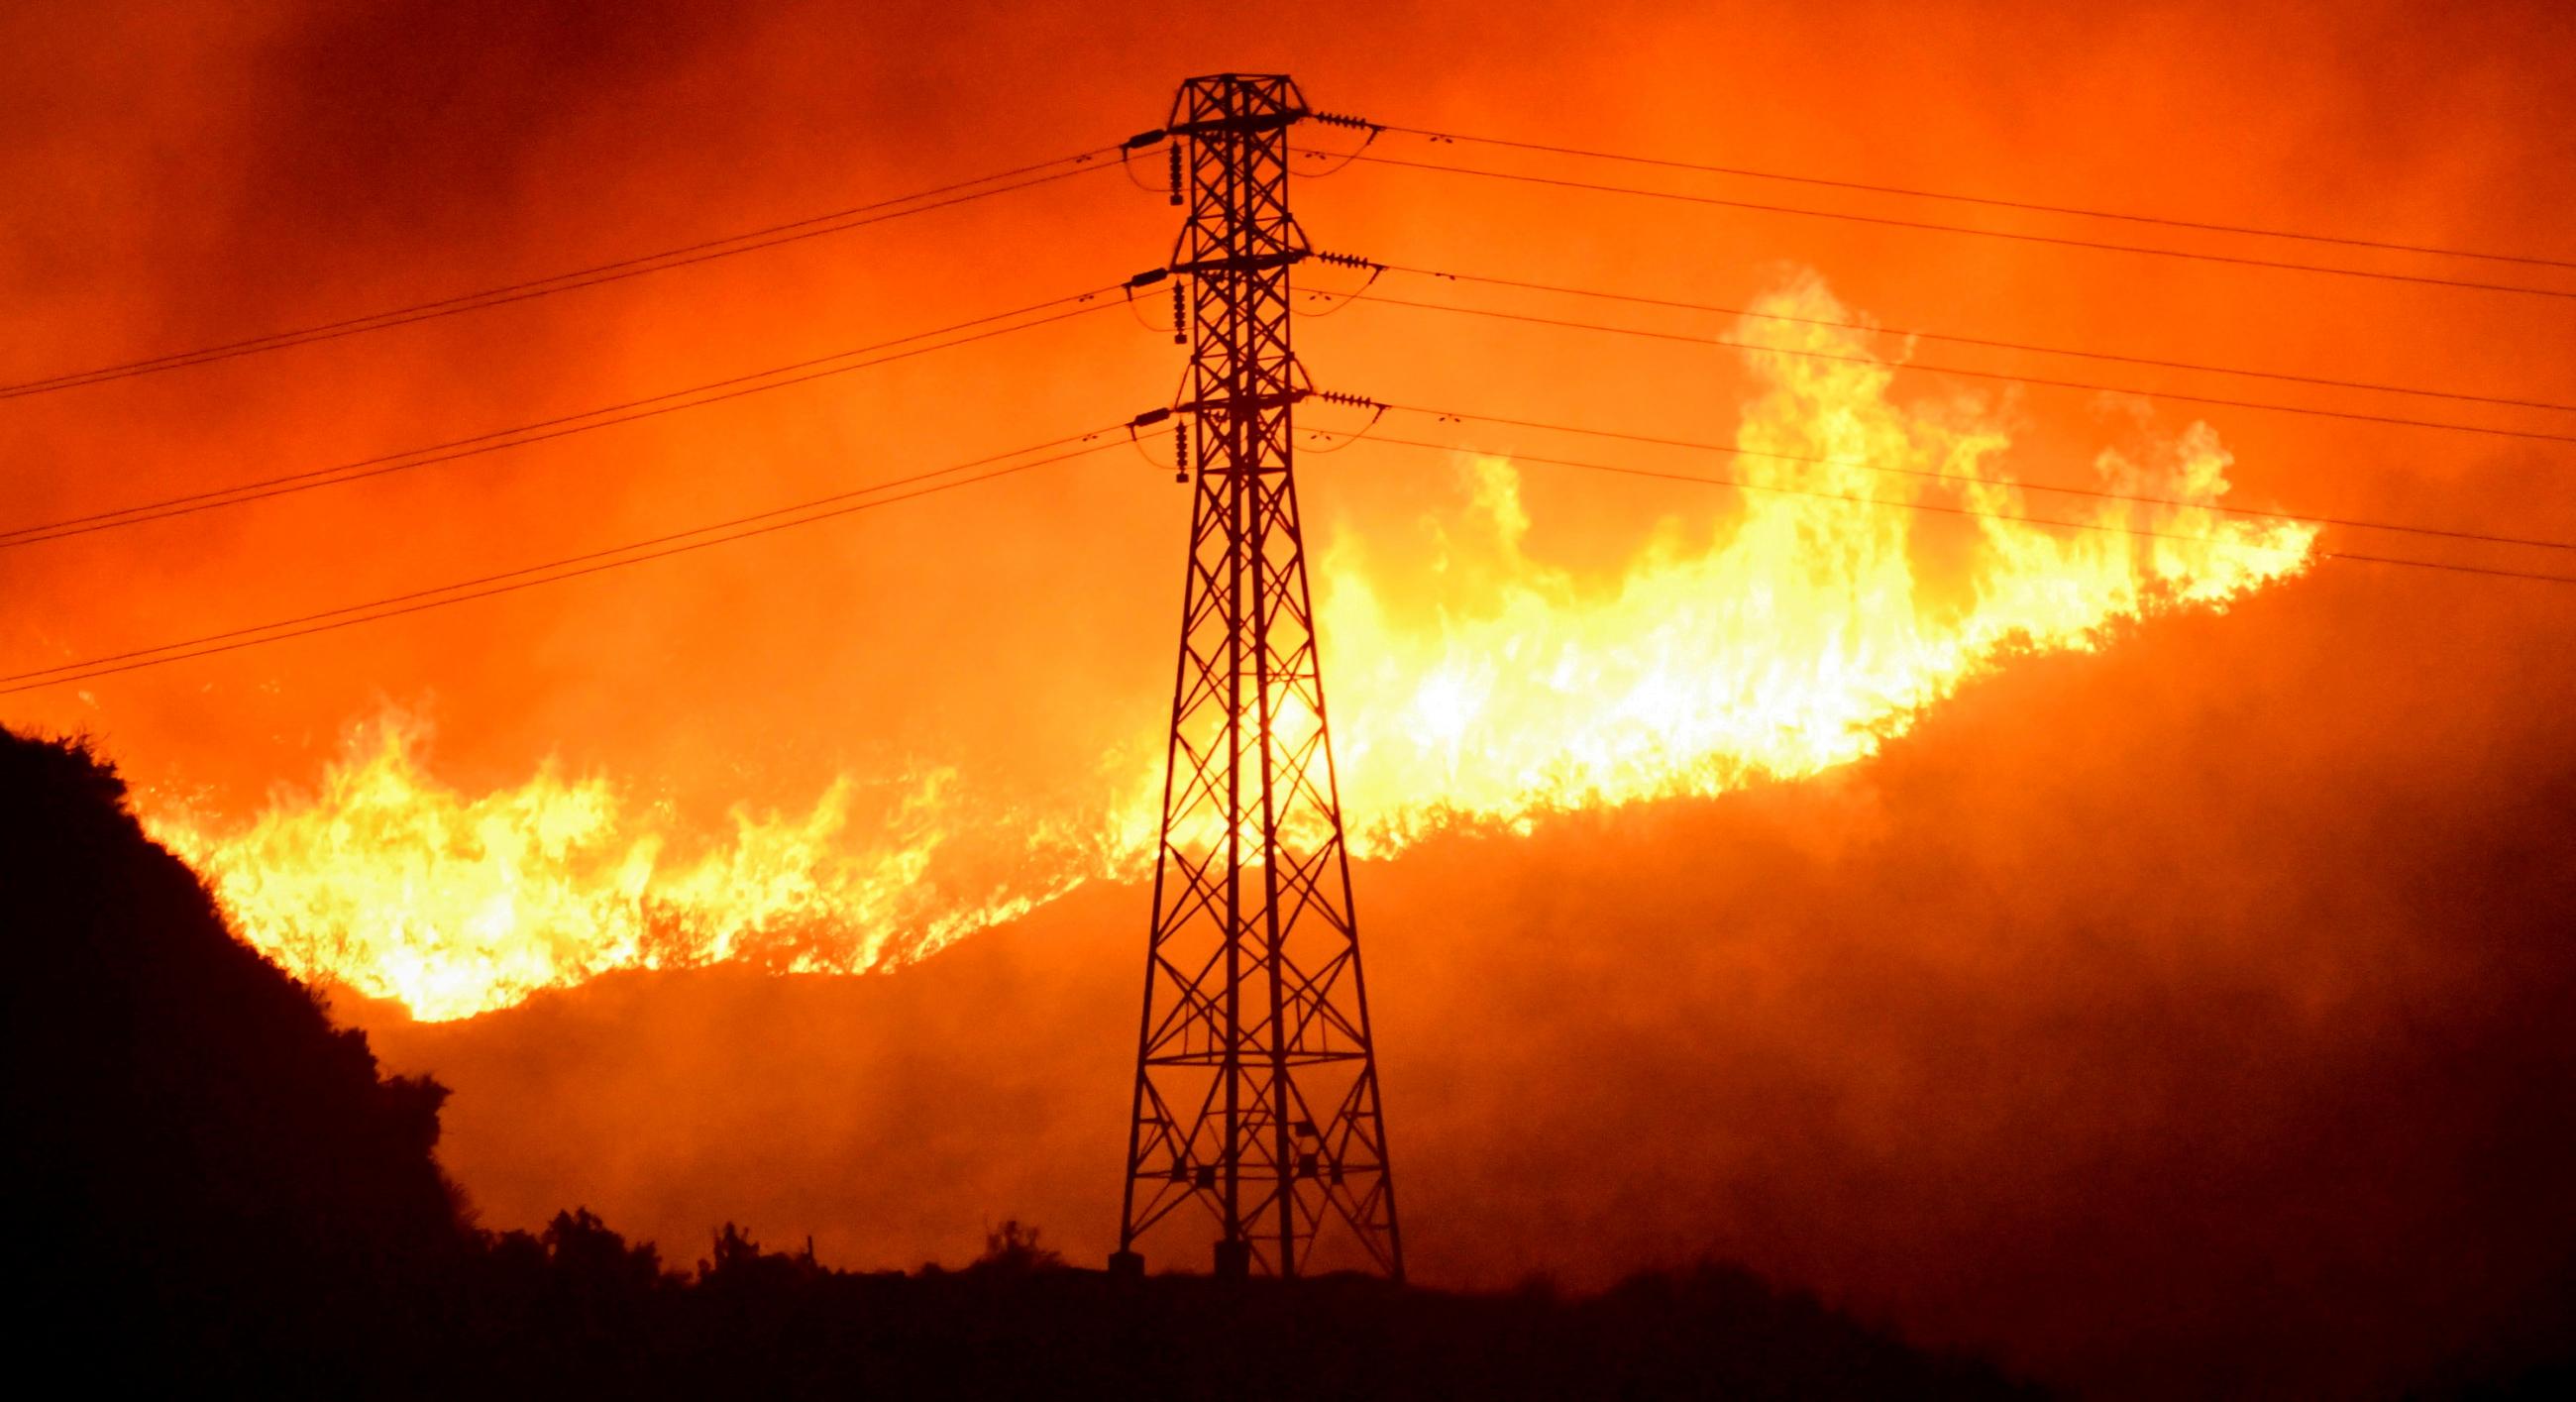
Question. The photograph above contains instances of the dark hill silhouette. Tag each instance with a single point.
(198, 1155)
(215, 1190)
(1017, 1324)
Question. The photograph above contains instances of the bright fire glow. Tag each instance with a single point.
(1806, 634)
(1793, 633)
(401, 887)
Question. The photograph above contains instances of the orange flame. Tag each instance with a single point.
(1800, 636)
(1803, 639)
(402, 887)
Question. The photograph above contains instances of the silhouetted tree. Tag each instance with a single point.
(582, 1248)
(1013, 1249)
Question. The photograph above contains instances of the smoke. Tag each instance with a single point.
(2175, 1019)
(2166, 1039)
(200, 177)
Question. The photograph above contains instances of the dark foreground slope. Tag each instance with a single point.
(213, 1189)
(200, 1166)
(1016, 1324)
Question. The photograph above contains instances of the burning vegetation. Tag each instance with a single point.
(1778, 631)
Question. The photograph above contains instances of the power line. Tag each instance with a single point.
(816, 226)
(842, 504)
(1945, 509)
(2096, 493)
(693, 397)
(554, 571)
(1870, 360)
(2058, 240)
(1597, 294)
(2165, 221)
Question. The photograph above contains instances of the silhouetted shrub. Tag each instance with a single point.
(1012, 1249)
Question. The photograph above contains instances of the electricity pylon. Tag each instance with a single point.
(1256, 1080)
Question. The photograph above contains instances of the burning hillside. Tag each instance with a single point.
(1769, 633)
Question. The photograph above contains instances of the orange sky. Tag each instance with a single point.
(183, 177)
(194, 180)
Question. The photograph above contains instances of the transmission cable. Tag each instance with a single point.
(1946, 509)
(2165, 221)
(815, 226)
(1871, 360)
(2059, 240)
(497, 440)
(1451, 275)
(592, 562)
(1965, 479)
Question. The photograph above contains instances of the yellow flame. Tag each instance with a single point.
(1798, 635)
(402, 887)
(1800, 640)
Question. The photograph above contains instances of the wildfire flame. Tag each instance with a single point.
(400, 886)
(1798, 635)
(1804, 637)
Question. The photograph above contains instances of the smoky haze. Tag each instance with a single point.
(2176, 1019)
(2155, 1043)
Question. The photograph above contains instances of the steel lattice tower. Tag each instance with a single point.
(1256, 1081)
